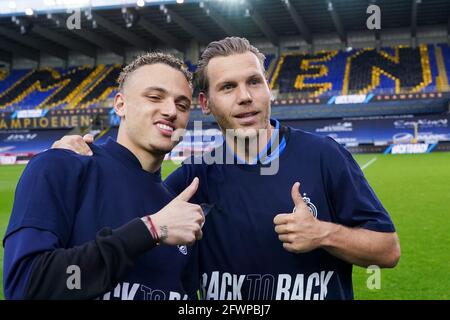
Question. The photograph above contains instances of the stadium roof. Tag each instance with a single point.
(167, 24)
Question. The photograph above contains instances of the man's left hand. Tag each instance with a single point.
(299, 231)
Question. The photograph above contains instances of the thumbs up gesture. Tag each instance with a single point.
(299, 231)
(180, 222)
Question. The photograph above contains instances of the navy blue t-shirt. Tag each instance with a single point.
(64, 199)
(240, 255)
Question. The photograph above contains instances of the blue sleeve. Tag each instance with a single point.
(41, 218)
(354, 202)
(20, 252)
(46, 194)
(37, 248)
(35, 266)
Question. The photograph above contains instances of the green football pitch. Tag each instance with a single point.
(415, 189)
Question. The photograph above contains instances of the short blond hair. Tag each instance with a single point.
(150, 58)
(223, 48)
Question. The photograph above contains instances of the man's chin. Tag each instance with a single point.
(244, 132)
(161, 149)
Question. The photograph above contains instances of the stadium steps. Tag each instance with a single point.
(426, 70)
(441, 79)
(270, 70)
(276, 73)
(11, 78)
(16, 83)
(36, 85)
(13, 86)
(87, 85)
(98, 84)
(317, 71)
(101, 133)
(348, 64)
(50, 102)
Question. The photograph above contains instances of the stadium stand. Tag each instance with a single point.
(387, 71)
(40, 88)
(30, 142)
(393, 70)
(294, 69)
(314, 75)
(408, 68)
(101, 89)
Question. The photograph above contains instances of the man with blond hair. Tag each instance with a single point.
(264, 237)
(83, 226)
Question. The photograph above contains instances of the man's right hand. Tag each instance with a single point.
(77, 144)
(180, 222)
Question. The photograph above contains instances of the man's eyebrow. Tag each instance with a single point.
(229, 81)
(255, 75)
(162, 90)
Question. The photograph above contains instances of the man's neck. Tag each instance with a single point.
(149, 162)
(248, 149)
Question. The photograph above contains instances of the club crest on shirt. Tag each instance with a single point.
(183, 249)
(312, 208)
(310, 205)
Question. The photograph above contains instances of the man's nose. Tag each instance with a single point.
(169, 109)
(244, 95)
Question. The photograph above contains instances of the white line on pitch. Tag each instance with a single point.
(368, 163)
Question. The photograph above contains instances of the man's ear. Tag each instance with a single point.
(119, 104)
(204, 103)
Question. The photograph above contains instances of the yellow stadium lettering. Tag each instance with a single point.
(26, 123)
(85, 121)
(54, 122)
(16, 124)
(43, 122)
(74, 121)
(64, 121)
